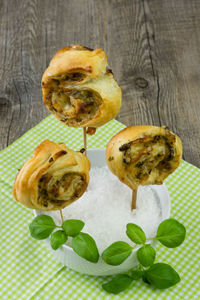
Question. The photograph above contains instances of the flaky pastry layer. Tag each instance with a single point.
(143, 155)
(79, 90)
(53, 178)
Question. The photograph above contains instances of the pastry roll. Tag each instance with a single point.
(143, 155)
(53, 178)
(79, 90)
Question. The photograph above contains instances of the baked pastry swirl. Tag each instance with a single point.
(78, 89)
(143, 155)
(53, 178)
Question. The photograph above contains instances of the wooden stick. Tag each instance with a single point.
(134, 198)
(85, 140)
(61, 215)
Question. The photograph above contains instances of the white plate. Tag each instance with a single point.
(69, 258)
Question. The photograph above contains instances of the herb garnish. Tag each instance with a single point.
(170, 233)
(83, 244)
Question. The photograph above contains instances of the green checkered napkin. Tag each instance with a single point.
(28, 268)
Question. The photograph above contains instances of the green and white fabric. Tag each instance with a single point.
(29, 270)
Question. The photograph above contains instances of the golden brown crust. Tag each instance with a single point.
(78, 89)
(69, 59)
(142, 155)
(53, 178)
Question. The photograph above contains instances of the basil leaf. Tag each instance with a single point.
(135, 233)
(146, 255)
(116, 253)
(118, 284)
(162, 276)
(84, 245)
(136, 274)
(72, 227)
(58, 238)
(171, 233)
(41, 227)
(144, 278)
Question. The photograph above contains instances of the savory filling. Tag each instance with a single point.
(65, 78)
(57, 190)
(149, 155)
(72, 105)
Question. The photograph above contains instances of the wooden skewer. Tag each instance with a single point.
(61, 215)
(85, 140)
(134, 198)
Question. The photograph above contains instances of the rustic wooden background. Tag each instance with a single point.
(153, 48)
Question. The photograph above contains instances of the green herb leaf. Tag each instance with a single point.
(136, 274)
(162, 276)
(135, 233)
(144, 278)
(84, 245)
(72, 227)
(118, 284)
(146, 255)
(171, 233)
(58, 238)
(116, 253)
(41, 227)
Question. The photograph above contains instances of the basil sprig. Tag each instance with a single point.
(83, 244)
(170, 233)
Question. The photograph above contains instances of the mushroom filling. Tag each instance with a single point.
(149, 154)
(59, 189)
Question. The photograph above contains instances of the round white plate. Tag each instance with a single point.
(69, 258)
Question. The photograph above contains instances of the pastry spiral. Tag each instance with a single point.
(143, 155)
(53, 178)
(79, 90)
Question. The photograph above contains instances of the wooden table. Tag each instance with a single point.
(153, 48)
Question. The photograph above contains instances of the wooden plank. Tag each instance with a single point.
(130, 58)
(152, 47)
(20, 70)
(31, 34)
(177, 59)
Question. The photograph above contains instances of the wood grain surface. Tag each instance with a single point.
(152, 48)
